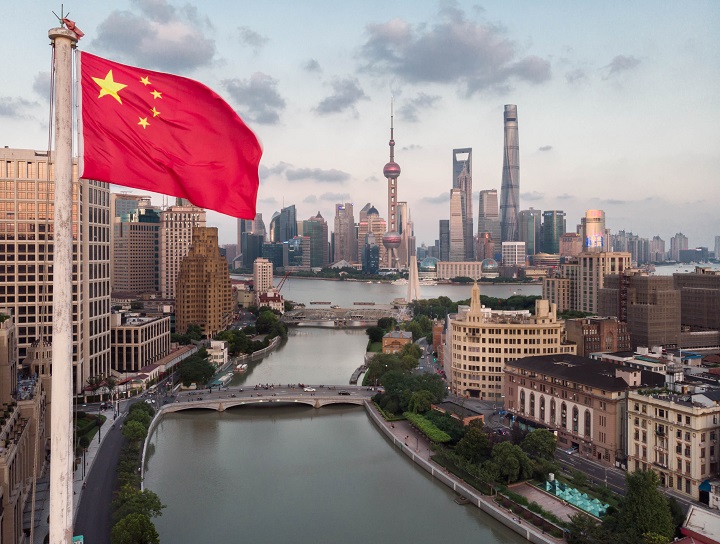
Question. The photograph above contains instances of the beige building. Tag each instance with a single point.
(586, 276)
(700, 292)
(394, 341)
(204, 295)
(580, 398)
(23, 436)
(262, 278)
(138, 341)
(447, 270)
(26, 225)
(176, 228)
(596, 334)
(675, 436)
(482, 341)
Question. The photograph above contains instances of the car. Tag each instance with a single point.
(343, 392)
(310, 389)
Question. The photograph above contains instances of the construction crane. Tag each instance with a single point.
(282, 281)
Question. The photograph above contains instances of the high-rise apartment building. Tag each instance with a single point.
(657, 250)
(510, 189)
(677, 243)
(477, 361)
(650, 305)
(593, 231)
(26, 256)
(176, 228)
(513, 253)
(315, 230)
(204, 292)
(262, 278)
(346, 243)
(462, 179)
(457, 230)
(135, 250)
(489, 214)
(553, 228)
(530, 223)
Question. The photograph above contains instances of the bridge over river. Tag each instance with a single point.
(275, 396)
(340, 317)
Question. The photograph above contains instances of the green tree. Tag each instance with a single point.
(140, 416)
(583, 529)
(135, 431)
(416, 330)
(474, 446)
(134, 529)
(540, 444)
(644, 508)
(654, 538)
(386, 323)
(196, 369)
(511, 461)
(130, 500)
(375, 334)
(420, 401)
(265, 321)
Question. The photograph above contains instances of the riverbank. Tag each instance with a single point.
(403, 436)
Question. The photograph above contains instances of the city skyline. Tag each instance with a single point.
(616, 101)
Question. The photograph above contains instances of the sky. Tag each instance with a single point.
(618, 102)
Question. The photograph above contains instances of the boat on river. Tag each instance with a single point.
(242, 367)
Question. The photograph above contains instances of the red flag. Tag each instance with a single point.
(167, 134)
(71, 27)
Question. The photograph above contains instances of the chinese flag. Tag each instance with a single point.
(167, 134)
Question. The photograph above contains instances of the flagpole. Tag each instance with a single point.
(61, 453)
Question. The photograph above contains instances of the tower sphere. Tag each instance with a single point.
(391, 170)
(391, 240)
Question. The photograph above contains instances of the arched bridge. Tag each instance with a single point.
(229, 399)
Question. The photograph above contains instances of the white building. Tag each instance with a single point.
(262, 278)
(176, 225)
(513, 253)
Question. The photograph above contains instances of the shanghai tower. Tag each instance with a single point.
(510, 189)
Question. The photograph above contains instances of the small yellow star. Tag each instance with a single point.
(109, 86)
(155, 112)
(145, 80)
(156, 94)
(143, 122)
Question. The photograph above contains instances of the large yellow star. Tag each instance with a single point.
(109, 86)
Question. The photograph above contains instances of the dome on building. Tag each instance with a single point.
(373, 211)
(428, 264)
(489, 266)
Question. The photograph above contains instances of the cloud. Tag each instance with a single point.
(532, 196)
(310, 199)
(267, 171)
(616, 202)
(15, 108)
(476, 56)
(259, 97)
(373, 179)
(41, 84)
(271, 200)
(346, 93)
(565, 196)
(575, 76)
(545, 148)
(251, 38)
(412, 147)
(317, 174)
(442, 198)
(335, 197)
(312, 66)
(621, 63)
(160, 36)
(409, 110)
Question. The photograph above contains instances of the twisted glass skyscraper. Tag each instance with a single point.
(510, 189)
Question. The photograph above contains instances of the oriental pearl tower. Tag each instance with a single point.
(391, 240)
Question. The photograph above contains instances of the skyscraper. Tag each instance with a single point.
(530, 223)
(444, 240)
(176, 227)
(26, 260)
(457, 231)
(135, 252)
(553, 228)
(677, 243)
(510, 189)
(462, 179)
(315, 230)
(593, 231)
(346, 244)
(371, 223)
(489, 215)
(284, 226)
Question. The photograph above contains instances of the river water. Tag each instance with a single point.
(298, 474)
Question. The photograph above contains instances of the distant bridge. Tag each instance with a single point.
(338, 317)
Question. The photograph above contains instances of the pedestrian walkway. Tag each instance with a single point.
(416, 446)
(42, 494)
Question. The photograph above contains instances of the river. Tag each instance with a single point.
(297, 474)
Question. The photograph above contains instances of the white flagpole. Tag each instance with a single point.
(61, 444)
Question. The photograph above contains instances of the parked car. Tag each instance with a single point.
(310, 389)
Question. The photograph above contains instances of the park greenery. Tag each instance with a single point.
(134, 509)
(196, 369)
(439, 308)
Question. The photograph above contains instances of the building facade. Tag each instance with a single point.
(176, 228)
(138, 341)
(553, 228)
(482, 342)
(204, 294)
(135, 255)
(457, 230)
(346, 243)
(513, 253)
(26, 255)
(489, 215)
(462, 179)
(595, 334)
(510, 189)
(700, 296)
